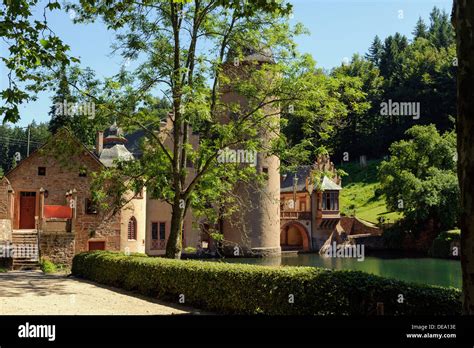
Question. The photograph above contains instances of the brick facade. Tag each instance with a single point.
(57, 181)
(4, 185)
(5, 222)
(57, 247)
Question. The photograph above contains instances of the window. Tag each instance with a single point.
(90, 207)
(162, 231)
(330, 201)
(41, 171)
(302, 206)
(265, 170)
(154, 230)
(132, 228)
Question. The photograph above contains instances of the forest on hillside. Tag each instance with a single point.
(420, 69)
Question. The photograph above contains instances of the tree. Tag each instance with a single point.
(359, 133)
(463, 17)
(375, 51)
(58, 118)
(421, 29)
(420, 177)
(34, 52)
(195, 51)
(441, 32)
(391, 58)
(14, 142)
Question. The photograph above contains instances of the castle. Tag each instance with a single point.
(49, 206)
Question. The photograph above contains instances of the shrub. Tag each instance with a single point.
(441, 246)
(47, 266)
(250, 289)
(190, 250)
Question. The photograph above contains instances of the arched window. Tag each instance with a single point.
(132, 228)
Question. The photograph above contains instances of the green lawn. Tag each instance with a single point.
(359, 193)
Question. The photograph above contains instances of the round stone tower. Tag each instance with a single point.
(254, 230)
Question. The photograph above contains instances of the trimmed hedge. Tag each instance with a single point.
(249, 289)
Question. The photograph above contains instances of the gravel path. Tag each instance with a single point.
(35, 293)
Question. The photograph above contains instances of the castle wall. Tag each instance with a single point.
(135, 208)
(255, 228)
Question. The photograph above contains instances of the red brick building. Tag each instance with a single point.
(48, 202)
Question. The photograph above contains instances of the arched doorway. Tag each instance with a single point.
(294, 236)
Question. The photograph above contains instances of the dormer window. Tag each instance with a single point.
(330, 200)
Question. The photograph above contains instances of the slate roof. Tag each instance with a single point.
(302, 173)
(116, 152)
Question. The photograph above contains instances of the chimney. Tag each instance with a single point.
(99, 143)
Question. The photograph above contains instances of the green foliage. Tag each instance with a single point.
(193, 52)
(190, 250)
(331, 101)
(442, 244)
(48, 266)
(249, 289)
(361, 193)
(421, 70)
(14, 140)
(420, 178)
(394, 236)
(33, 52)
(3, 270)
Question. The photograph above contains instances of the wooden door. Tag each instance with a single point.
(27, 210)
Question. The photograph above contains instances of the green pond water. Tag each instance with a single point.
(414, 269)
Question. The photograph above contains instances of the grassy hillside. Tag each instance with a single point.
(359, 193)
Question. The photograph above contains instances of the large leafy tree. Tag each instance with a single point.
(191, 52)
(420, 177)
(463, 17)
(34, 53)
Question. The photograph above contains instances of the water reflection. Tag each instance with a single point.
(420, 270)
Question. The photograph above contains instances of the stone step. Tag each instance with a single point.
(24, 240)
(20, 264)
(26, 267)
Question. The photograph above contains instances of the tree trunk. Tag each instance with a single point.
(463, 20)
(174, 245)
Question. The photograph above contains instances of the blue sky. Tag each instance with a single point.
(339, 28)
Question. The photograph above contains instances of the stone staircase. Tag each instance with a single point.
(25, 243)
